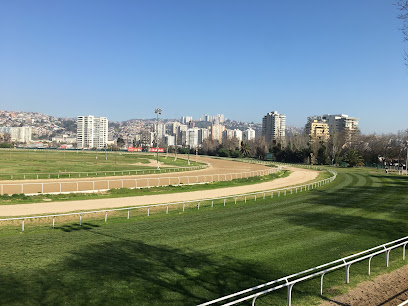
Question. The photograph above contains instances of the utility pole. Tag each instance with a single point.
(175, 147)
(406, 162)
(158, 112)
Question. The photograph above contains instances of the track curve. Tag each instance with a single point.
(297, 176)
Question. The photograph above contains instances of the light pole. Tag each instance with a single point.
(406, 161)
(175, 147)
(158, 112)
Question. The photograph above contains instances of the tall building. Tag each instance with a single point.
(273, 126)
(216, 132)
(161, 130)
(249, 134)
(18, 134)
(340, 123)
(203, 134)
(238, 135)
(92, 132)
(192, 137)
(227, 134)
(317, 129)
(206, 118)
(186, 119)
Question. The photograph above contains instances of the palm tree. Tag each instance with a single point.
(245, 149)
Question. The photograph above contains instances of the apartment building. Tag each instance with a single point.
(273, 126)
(340, 123)
(92, 132)
(317, 129)
(18, 134)
(216, 132)
(249, 134)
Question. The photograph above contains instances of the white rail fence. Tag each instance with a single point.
(245, 196)
(58, 175)
(251, 294)
(104, 185)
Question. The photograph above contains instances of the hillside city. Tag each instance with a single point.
(325, 139)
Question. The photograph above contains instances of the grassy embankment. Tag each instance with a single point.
(191, 257)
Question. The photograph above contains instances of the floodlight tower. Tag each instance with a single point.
(158, 112)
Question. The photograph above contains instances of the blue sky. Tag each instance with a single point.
(123, 58)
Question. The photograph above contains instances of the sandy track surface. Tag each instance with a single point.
(217, 166)
(297, 177)
(388, 290)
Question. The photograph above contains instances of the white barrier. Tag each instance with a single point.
(251, 294)
(235, 197)
(59, 175)
(74, 186)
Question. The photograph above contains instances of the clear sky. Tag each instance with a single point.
(123, 58)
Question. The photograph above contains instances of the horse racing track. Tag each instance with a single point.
(196, 256)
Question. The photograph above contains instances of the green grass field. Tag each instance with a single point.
(191, 257)
(43, 162)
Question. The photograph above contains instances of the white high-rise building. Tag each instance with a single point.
(203, 134)
(161, 130)
(19, 134)
(249, 134)
(186, 119)
(340, 123)
(227, 134)
(238, 134)
(192, 137)
(92, 132)
(273, 126)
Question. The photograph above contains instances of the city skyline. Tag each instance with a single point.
(243, 59)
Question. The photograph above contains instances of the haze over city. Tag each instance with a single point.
(240, 58)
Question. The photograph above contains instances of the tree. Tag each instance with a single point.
(353, 158)
(120, 142)
(403, 7)
(245, 149)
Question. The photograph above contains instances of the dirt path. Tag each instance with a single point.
(298, 176)
(386, 290)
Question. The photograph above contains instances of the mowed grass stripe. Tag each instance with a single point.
(191, 257)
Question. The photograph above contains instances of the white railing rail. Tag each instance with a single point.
(280, 283)
(58, 175)
(146, 182)
(271, 192)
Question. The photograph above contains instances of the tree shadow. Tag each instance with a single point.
(77, 227)
(132, 272)
(390, 196)
(349, 224)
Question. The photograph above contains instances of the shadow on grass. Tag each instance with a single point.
(348, 224)
(130, 272)
(388, 195)
(77, 227)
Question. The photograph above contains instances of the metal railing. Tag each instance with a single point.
(60, 175)
(271, 192)
(251, 294)
(104, 185)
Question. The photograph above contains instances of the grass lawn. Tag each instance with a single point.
(191, 257)
(18, 162)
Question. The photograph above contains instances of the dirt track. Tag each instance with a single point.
(217, 167)
(388, 290)
(298, 176)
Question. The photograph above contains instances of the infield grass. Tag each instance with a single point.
(191, 257)
(16, 162)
